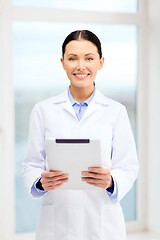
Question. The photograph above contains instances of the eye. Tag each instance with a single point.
(72, 59)
(89, 59)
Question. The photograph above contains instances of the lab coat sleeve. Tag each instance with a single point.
(113, 196)
(124, 156)
(34, 163)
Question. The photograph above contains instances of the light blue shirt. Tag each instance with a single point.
(79, 109)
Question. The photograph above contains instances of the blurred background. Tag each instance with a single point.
(31, 36)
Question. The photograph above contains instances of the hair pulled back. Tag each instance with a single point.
(82, 35)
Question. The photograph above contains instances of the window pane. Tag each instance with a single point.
(87, 5)
(38, 74)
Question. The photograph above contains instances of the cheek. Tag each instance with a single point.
(94, 66)
(69, 67)
(94, 69)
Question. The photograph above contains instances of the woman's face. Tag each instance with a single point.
(81, 62)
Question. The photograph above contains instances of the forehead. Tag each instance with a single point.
(80, 47)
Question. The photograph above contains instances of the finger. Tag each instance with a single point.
(51, 180)
(48, 174)
(59, 184)
(56, 172)
(93, 180)
(56, 178)
(100, 170)
(54, 185)
(97, 182)
(49, 188)
(50, 184)
(98, 185)
(94, 175)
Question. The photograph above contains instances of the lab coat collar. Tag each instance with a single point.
(64, 99)
(98, 98)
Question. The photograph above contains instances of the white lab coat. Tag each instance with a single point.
(82, 214)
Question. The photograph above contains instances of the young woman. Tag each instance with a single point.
(82, 111)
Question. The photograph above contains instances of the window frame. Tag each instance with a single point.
(139, 19)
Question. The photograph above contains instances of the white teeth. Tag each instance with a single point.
(81, 75)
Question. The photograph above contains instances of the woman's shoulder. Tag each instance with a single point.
(101, 98)
(52, 100)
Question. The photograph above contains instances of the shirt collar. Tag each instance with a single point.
(73, 101)
(98, 98)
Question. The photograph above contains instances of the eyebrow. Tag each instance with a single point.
(85, 54)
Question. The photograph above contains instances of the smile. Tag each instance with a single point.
(81, 75)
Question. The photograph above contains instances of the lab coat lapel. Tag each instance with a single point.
(98, 100)
(92, 107)
(66, 104)
(89, 111)
(68, 107)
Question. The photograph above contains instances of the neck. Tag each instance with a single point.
(80, 94)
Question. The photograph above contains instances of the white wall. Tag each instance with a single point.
(154, 117)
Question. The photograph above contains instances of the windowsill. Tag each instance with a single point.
(143, 236)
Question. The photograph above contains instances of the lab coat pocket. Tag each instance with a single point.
(113, 225)
(46, 223)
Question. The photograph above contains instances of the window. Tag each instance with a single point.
(38, 74)
(40, 15)
(129, 6)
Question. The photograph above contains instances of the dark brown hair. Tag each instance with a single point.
(82, 35)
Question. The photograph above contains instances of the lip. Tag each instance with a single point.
(81, 76)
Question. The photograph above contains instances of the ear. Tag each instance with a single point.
(101, 63)
(62, 61)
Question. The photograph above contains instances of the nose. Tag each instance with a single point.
(80, 65)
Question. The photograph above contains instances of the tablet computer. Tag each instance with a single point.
(73, 156)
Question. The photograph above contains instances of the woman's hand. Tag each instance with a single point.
(98, 176)
(53, 179)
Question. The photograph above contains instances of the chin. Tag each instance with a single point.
(82, 84)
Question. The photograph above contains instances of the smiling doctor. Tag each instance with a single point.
(82, 111)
